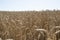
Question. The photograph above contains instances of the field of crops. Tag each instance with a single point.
(21, 25)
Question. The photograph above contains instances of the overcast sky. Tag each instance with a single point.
(29, 4)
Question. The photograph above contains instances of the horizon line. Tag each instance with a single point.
(33, 10)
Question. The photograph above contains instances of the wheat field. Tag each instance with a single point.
(21, 25)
